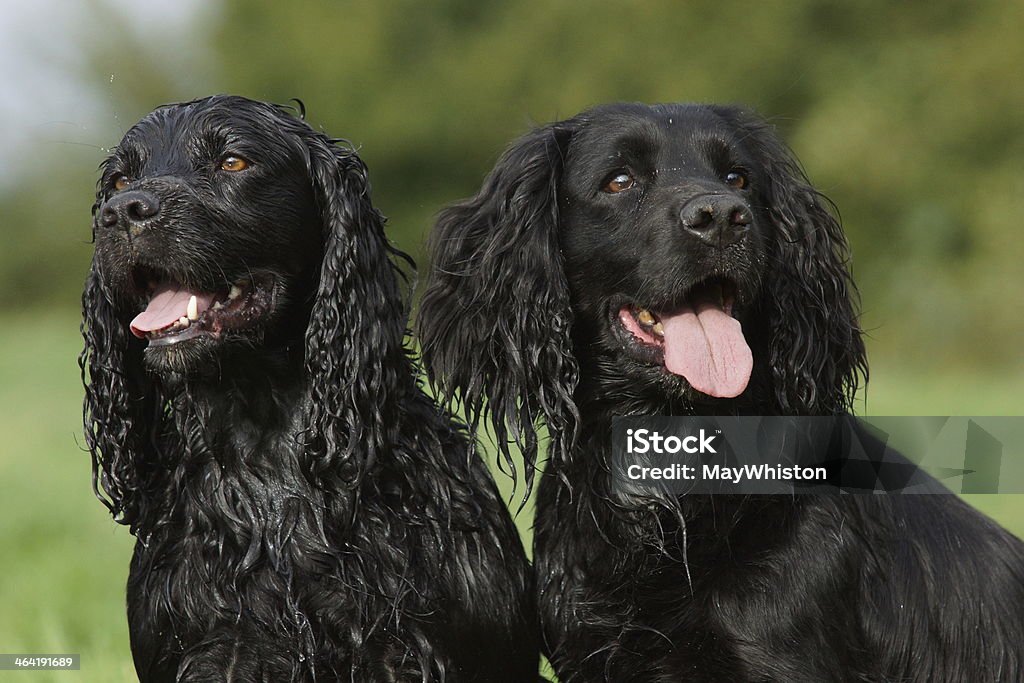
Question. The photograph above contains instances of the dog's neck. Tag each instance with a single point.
(709, 523)
(602, 396)
(251, 404)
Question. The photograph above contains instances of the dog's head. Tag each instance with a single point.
(208, 237)
(229, 238)
(664, 258)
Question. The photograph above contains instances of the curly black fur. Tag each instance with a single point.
(303, 510)
(521, 322)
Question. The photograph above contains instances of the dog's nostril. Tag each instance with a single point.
(141, 208)
(698, 217)
(740, 216)
(108, 217)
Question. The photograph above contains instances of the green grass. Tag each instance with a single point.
(897, 391)
(63, 563)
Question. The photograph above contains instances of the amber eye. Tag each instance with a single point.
(736, 178)
(620, 182)
(121, 182)
(233, 164)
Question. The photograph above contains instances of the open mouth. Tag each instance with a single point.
(700, 340)
(177, 312)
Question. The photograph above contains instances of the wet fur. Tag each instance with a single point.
(302, 509)
(515, 324)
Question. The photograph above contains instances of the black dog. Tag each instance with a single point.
(674, 260)
(303, 510)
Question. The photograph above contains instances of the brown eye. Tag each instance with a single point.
(121, 182)
(620, 182)
(736, 178)
(234, 164)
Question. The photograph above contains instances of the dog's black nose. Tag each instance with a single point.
(716, 219)
(129, 209)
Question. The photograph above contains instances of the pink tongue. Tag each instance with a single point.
(708, 349)
(168, 304)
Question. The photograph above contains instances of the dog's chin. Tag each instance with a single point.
(650, 381)
(188, 359)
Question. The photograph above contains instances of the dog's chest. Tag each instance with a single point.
(244, 534)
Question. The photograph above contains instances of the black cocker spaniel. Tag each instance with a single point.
(674, 260)
(303, 511)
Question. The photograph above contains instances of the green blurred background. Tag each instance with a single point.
(910, 116)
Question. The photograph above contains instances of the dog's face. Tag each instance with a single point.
(663, 238)
(237, 247)
(640, 259)
(207, 233)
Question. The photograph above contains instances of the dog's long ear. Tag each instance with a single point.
(817, 351)
(353, 355)
(495, 319)
(123, 412)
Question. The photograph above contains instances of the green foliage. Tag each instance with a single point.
(904, 113)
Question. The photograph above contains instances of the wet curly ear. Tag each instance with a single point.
(123, 411)
(354, 354)
(817, 352)
(495, 319)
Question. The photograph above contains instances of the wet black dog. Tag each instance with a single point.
(303, 510)
(674, 260)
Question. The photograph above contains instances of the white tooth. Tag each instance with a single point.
(658, 329)
(193, 308)
(217, 305)
(235, 291)
(183, 321)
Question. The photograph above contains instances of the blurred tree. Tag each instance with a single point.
(45, 209)
(906, 114)
(902, 113)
